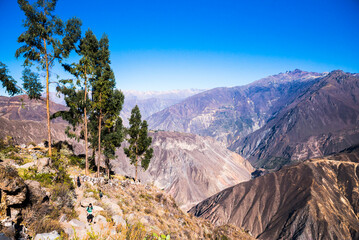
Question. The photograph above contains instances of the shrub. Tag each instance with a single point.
(77, 161)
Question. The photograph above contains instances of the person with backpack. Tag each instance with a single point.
(100, 194)
(89, 213)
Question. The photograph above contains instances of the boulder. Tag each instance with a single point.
(118, 220)
(113, 207)
(15, 213)
(47, 236)
(76, 223)
(37, 194)
(12, 184)
(97, 208)
(100, 219)
(27, 165)
(16, 198)
(41, 163)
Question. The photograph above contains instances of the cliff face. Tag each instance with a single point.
(25, 120)
(317, 199)
(323, 120)
(229, 114)
(189, 167)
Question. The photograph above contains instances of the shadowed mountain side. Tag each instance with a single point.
(229, 114)
(322, 121)
(317, 199)
(189, 167)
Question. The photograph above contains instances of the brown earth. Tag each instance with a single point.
(316, 199)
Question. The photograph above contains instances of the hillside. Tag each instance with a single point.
(39, 200)
(322, 120)
(317, 199)
(229, 114)
(189, 167)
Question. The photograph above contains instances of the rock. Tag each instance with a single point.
(77, 223)
(22, 146)
(118, 220)
(86, 201)
(16, 199)
(15, 213)
(12, 184)
(27, 165)
(62, 218)
(100, 219)
(34, 156)
(130, 218)
(42, 163)
(47, 236)
(69, 231)
(144, 220)
(97, 208)
(113, 207)
(37, 194)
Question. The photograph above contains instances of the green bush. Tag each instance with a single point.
(77, 161)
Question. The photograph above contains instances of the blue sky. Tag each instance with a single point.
(164, 45)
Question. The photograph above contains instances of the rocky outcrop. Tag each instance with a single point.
(229, 114)
(189, 167)
(323, 120)
(317, 199)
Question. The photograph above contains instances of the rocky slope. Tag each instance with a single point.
(323, 120)
(189, 167)
(48, 208)
(317, 199)
(229, 114)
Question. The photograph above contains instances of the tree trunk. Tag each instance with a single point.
(48, 99)
(99, 142)
(85, 122)
(136, 172)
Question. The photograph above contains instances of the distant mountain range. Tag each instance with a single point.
(274, 121)
(229, 114)
(316, 199)
(150, 102)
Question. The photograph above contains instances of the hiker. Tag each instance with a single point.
(89, 213)
(78, 181)
(100, 194)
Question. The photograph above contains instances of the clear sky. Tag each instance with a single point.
(170, 44)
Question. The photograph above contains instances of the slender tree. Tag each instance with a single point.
(113, 128)
(139, 149)
(45, 40)
(103, 84)
(83, 70)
